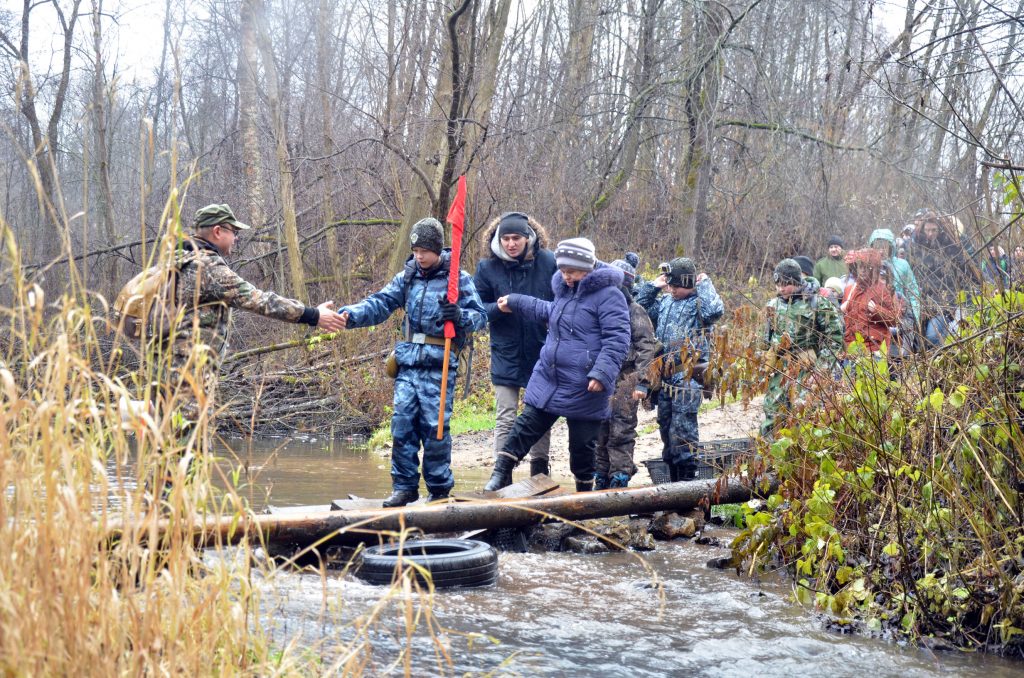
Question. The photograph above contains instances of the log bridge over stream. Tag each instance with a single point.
(522, 504)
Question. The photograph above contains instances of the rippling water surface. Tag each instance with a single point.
(559, 614)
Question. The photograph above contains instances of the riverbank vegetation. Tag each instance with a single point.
(76, 459)
(901, 498)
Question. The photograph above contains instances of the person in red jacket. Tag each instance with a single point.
(869, 305)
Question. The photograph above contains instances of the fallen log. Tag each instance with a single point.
(351, 527)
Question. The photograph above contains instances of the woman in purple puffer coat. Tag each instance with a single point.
(588, 338)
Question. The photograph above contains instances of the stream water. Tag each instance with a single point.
(561, 614)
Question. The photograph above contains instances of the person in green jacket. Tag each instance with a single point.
(903, 276)
(833, 265)
(803, 339)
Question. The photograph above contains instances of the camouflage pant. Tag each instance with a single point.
(784, 395)
(414, 424)
(617, 438)
(192, 388)
(678, 404)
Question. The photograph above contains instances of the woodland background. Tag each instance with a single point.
(737, 132)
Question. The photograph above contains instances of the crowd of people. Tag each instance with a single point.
(573, 337)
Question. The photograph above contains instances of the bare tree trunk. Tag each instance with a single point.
(580, 55)
(693, 182)
(950, 94)
(253, 181)
(325, 20)
(436, 156)
(297, 275)
(486, 77)
(45, 148)
(102, 152)
(622, 158)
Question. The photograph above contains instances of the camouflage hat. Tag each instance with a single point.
(787, 272)
(682, 272)
(215, 215)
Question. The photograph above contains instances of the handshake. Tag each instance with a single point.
(330, 320)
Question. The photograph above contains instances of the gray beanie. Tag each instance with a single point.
(629, 273)
(576, 253)
(429, 234)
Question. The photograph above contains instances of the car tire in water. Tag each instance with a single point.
(451, 562)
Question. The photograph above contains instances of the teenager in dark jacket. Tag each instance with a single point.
(588, 337)
(515, 261)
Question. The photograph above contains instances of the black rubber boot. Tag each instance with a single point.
(600, 481)
(401, 498)
(438, 495)
(538, 466)
(686, 471)
(502, 474)
(673, 472)
(584, 485)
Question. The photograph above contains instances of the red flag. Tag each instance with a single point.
(457, 218)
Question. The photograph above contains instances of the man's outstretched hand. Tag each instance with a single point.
(330, 320)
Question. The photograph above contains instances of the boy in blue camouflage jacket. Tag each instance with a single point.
(682, 319)
(422, 289)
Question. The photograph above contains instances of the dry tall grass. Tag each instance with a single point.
(73, 461)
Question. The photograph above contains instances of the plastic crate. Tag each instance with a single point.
(713, 457)
(658, 470)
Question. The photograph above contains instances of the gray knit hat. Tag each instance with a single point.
(576, 253)
(428, 234)
(629, 273)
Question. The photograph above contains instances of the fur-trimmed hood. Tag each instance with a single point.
(602, 276)
(488, 238)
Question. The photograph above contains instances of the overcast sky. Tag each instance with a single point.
(135, 39)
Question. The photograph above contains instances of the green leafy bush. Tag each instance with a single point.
(899, 503)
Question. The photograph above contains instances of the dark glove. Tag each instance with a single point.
(449, 311)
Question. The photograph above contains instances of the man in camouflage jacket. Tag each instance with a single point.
(683, 319)
(206, 292)
(803, 338)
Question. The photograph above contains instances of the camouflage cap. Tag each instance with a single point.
(214, 215)
(787, 272)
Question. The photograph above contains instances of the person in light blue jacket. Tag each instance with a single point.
(903, 276)
(421, 289)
